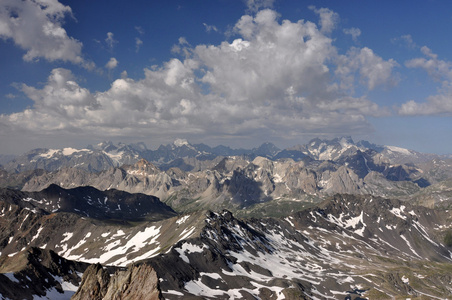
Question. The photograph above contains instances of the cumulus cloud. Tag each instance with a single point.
(60, 104)
(256, 5)
(276, 80)
(112, 63)
(36, 27)
(436, 68)
(110, 40)
(354, 32)
(328, 18)
(440, 71)
(436, 105)
(371, 69)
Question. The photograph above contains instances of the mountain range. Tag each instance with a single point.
(331, 219)
(271, 183)
(347, 247)
(105, 155)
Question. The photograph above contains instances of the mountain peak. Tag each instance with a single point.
(145, 166)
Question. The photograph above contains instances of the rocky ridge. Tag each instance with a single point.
(89, 202)
(137, 282)
(348, 246)
(235, 183)
(197, 178)
(36, 272)
(95, 158)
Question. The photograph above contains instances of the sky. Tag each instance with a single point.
(231, 72)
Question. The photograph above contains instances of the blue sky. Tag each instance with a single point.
(238, 73)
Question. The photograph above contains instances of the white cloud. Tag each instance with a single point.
(256, 5)
(138, 43)
(61, 104)
(110, 40)
(210, 28)
(36, 27)
(354, 32)
(112, 63)
(328, 18)
(440, 71)
(139, 29)
(440, 104)
(436, 68)
(274, 81)
(406, 40)
(371, 68)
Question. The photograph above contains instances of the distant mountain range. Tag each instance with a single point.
(264, 180)
(332, 219)
(105, 155)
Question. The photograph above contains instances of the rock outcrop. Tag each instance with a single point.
(36, 272)
(138, 282)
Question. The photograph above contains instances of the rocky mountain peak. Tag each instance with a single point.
(266, 149)
(143, 167)
(136, 282)
(39, 272)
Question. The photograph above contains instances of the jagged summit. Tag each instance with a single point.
(349, 245)
(200, 177)
(142, 167)
(35, 272)
(106, 154)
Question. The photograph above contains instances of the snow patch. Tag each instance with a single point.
(399, 150)
(49, 153)
(37, 234)
(186, 233)
(290, 222)
(182, 220)
(398, 212)
(188, 248)
(405, 280)
(70, 151)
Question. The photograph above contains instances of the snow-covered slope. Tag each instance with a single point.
(349, 246)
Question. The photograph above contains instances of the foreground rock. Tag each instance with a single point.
(36, 272)
(137, 282)
(347, 247)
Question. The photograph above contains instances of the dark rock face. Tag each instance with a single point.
(37, 272)
(348, 247)
(93, 203)
(135, 283)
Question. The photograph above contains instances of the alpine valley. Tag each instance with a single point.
(331, 219)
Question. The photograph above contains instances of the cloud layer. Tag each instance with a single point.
(440, 71)
(276, 80)
(36, 27)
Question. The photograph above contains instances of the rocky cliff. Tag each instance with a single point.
(138, 282)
